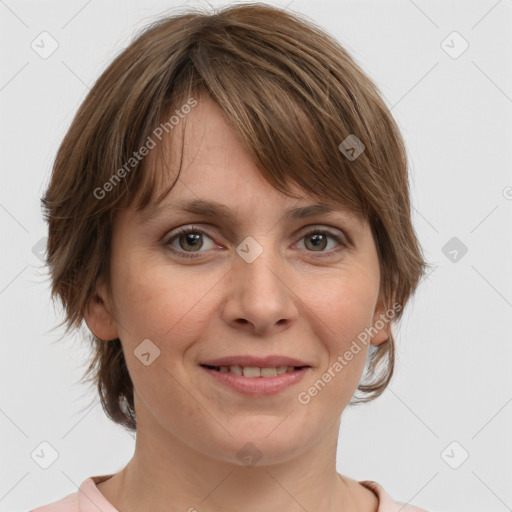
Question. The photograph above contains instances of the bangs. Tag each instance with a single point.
(291, 125)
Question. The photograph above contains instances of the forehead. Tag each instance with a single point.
(203, 167)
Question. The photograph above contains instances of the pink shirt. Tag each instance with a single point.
(89, 499)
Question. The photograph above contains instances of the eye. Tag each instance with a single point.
(189, 240)
(317, 241)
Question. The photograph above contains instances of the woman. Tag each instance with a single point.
(229, 214)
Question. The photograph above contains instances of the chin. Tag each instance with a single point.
(261, 444)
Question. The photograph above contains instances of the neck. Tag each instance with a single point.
(171, 476)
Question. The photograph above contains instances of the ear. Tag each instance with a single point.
(98, 315)
(381, 323)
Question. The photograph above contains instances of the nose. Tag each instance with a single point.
(259, 296)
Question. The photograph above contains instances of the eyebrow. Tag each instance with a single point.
(221, 211)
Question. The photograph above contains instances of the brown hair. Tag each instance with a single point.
(291, 92)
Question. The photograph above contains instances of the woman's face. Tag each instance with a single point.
(254, 284)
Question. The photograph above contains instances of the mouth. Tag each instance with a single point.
(256, 376)
(254, 371)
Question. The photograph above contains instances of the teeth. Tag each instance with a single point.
(236, 369)
(253, 371)
(268, 372)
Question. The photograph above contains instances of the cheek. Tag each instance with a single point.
(144, 297)
(154, 303)
(343, 312)
(157, 302)
(345, 306)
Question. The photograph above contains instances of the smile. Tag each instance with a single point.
(253, 380)
(254, 371)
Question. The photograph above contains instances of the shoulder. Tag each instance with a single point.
(386, 503)
(67, 504)
(88, 498)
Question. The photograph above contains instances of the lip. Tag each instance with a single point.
(272, 361)
(257, 386)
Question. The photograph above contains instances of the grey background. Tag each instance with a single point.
(453, 377)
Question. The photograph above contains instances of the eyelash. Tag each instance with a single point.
(194, 229)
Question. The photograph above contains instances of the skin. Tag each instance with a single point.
(290, 301)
